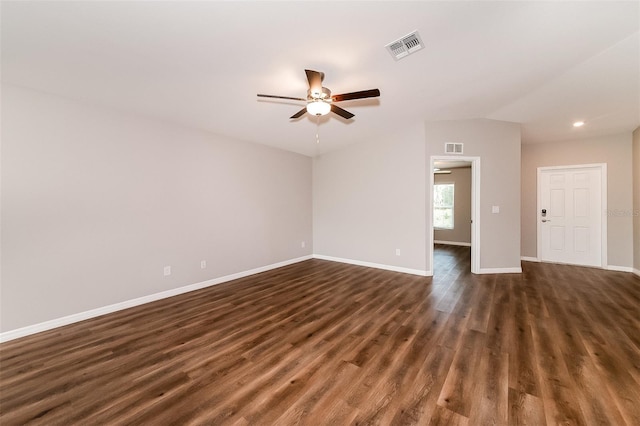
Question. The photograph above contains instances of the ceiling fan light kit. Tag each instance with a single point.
(318, 107)
(319, 99)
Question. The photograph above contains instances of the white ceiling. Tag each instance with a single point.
(201, 64)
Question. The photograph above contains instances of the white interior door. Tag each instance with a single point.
(570, 215)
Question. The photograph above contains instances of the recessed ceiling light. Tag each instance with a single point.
(578, 124)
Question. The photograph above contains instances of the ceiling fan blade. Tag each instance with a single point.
(315, 79)
(281, 97)
(371, 93)
(341, 112)
(299, 113)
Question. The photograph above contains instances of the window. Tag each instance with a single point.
(443, 205)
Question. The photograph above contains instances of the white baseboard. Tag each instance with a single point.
(81, 316)
(452, 243)
(608, 267)
(636, 271)
(500, 271)
(372, 265)
(619, 268)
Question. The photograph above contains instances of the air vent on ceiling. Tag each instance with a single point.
(453, 148)
(405, 46)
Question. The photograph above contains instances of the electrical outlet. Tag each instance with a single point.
(203, 264)
(397, 252)
(303, 244)
(167, 271)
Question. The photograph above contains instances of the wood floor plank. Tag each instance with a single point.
(421, 402)
(525, 409)
(620, 383)
(458, 390)
(491, 407)
(444, 416)
(321, 399)
(560, 405)
(321, 342)
(482, 302)
(523, 374)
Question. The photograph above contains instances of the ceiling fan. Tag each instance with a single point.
(319, 100)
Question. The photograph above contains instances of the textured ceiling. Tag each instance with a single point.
(201, 64)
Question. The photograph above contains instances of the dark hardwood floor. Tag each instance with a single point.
(320, 343)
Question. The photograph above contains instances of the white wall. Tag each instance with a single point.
(461, 232)
(613, 150)
(95, 203)
(369, 200)
(636, 200)
(497, 143)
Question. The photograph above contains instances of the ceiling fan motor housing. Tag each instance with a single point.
(315, 94)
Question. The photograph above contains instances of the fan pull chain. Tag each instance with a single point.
(318, 129)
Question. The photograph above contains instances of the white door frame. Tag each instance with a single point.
(475, 209)
(603, 184)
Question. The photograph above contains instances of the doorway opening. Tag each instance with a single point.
(453, 240)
